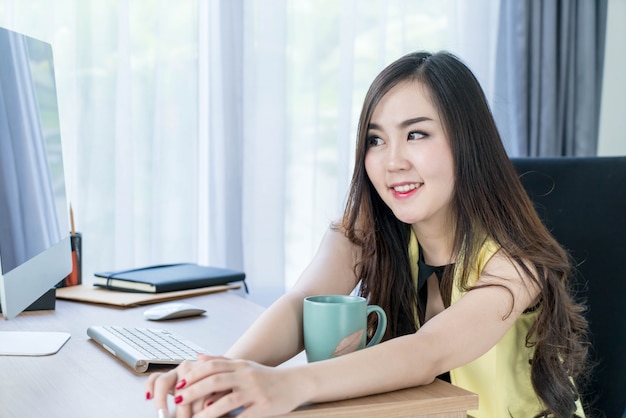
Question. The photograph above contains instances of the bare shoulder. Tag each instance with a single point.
(335, 239)
(502, 270)
(332, 269)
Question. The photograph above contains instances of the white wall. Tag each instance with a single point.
(612, 140)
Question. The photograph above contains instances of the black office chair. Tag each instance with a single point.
(582, 201)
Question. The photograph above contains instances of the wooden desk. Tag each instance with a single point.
(437, 400)
(84, 380)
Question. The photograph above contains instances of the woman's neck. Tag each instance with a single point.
(436, 244)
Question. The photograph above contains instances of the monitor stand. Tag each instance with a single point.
(31, 343)
(47, 302)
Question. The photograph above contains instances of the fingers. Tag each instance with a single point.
(206, 357)
(234, 400)
(203, 370)
(183, 411)
(210, 381)
(149, 386)
(214, 383)
(219, 405)
(158, 386)
(198, 406)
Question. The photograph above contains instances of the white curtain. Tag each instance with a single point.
(222, 131)
(306, 75)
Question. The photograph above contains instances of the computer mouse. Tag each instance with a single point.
(173, 310)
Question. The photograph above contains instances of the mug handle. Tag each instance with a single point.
(382, 323)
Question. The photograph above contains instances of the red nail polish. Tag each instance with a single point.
(209, 403)
(178, 399)
(148, 396)
(181, 384)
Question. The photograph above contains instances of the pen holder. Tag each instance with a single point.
(75, 277)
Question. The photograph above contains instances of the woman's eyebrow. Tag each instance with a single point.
(412, 121)
(403, 124)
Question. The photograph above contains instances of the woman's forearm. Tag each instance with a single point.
(388, 366)
(276, 336)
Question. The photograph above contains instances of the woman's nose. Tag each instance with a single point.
(397, 158)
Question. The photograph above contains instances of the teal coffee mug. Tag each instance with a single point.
(337, 324)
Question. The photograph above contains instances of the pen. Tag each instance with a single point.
(72, 279)
(73, 231)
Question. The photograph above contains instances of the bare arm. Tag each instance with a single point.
(454, 337)
(277, 335)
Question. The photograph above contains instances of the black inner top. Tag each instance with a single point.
(424, 271)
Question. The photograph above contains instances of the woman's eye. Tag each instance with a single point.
(416, 135)
(373, 141)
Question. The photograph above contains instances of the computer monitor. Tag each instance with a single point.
(35, 252)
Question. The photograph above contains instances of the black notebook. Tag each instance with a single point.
(168, 278)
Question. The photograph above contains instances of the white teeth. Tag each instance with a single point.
(405, 188)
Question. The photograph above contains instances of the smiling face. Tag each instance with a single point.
(409, 160)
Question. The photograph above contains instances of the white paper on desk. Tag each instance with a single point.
(31, 343)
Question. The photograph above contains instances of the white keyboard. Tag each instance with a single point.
(141, 347)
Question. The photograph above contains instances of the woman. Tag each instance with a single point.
(440, 233)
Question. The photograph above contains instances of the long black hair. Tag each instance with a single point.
(488, 202)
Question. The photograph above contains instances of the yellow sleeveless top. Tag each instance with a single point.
(501, 376)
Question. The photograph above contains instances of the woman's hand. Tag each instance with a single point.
(214, 386)
(220, 385)
(160, 385)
